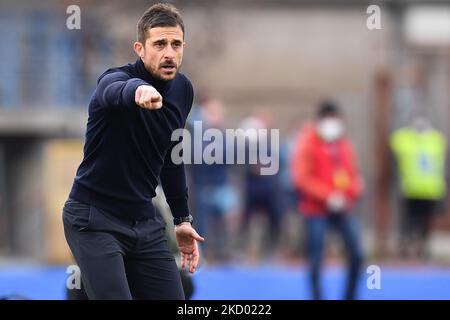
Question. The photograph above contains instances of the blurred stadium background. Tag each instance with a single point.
(279, 56)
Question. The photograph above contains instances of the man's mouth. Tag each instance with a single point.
(169, 67)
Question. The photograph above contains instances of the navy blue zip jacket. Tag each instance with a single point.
(127, 148)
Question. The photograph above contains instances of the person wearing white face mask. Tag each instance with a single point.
(330, 128)
(326, 176)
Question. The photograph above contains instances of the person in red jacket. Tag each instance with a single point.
(325, 173)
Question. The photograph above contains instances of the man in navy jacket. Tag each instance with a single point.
(109, 220)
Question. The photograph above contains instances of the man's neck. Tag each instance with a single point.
(146, 75)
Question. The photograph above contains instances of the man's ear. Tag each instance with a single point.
(139, 49)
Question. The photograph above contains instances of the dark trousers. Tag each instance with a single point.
(121, 259)
(316, 228)
(416, 223)
(265, 200)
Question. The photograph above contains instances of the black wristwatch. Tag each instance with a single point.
(179, 220)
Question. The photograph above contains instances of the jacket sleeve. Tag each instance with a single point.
(173, 182)
(173, 176)
(303, 177)
(117, 90)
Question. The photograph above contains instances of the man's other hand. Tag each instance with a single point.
(187, 239)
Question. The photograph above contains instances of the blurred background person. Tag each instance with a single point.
(290, 239)
(325, 172)
(261, 193)
(420, 153)
(214, 198)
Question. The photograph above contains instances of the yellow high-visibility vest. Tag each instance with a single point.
(421, 161)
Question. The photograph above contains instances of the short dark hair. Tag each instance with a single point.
(328, 109)
(158, 15)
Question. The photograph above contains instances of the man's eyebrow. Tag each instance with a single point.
(160, 41)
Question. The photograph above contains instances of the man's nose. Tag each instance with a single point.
(169, 53)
